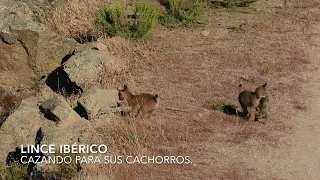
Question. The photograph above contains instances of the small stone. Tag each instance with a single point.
(205, 33)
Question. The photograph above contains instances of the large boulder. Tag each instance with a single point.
(95, 101)
(14, 68)
(29, 50)
(86, 68)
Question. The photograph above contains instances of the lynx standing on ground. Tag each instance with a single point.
(249, 100)
(144, 103)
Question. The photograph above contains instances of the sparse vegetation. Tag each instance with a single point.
(13, 172)
(134, 137)
(267, 68)
(230, 3)
(129, 137)
(67, 170)
(183, 12)
(117, 20)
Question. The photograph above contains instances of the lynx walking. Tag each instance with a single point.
(144, 103)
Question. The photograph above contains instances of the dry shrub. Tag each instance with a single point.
(75, 18)
(8, 104)
(118, 46)
(114, 48)
(126, 55)
(230, 3)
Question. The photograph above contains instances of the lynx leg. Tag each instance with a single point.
(252, 114)
(244, 110)
(140, 113)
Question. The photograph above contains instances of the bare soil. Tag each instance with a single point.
(193, 72)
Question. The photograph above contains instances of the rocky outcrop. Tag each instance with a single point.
(29, 50)
(31, 55)
(21, 127)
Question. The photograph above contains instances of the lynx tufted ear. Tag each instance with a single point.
(265, 84)
(125, 87)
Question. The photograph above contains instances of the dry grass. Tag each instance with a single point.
(126, 55)
(124, 137)
(75, 18)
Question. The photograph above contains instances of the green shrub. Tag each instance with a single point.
(14, 172)
(230, 3)
(226, 108)
(183, 12)
(118, 21)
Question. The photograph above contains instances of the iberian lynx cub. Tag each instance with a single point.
(144, 103)
(249, 100)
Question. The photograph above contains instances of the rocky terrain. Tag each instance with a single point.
(39, 71)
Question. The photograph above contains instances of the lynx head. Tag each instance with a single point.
(261, 91)
(124, 94)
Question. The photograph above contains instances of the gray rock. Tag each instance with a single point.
(14, 10)
(95, 101)
(44, 47)
(30, 50)
(85, 68)
(205, 33)
(57, 109)
(21, 127)
(7, 36)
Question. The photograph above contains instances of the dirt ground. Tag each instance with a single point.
(192, 72)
